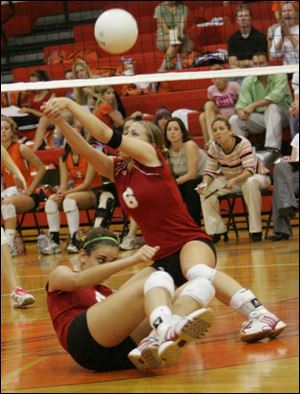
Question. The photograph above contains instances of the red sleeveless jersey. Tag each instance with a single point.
(64, 306)
(152, 198)
(22, 164)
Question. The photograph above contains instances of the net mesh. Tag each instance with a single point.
(53, 35)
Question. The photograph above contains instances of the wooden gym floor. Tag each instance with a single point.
(33, 361)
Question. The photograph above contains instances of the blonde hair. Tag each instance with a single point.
(295, 6)
(13, 126)
(153, 133)
(100, 93)
(78, 93)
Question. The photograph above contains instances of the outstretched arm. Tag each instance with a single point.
(103, 164)
(64, 279)
(139, 150)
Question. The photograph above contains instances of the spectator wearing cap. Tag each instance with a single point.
(162, 115)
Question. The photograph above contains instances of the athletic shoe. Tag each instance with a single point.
(21, 298)
(52, 248)
(261, 325)
(13, 251)
(145, 355)
(128, 243)
(190, 328)
(72, 248)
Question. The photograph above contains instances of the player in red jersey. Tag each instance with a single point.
(98, 327)
(149, 194)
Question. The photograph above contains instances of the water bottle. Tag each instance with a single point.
(42, 241)
(178, 62)
(19, 244)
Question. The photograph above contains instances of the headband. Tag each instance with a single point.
(96, 239)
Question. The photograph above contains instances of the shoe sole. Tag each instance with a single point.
(280, 326)
(138, 362)
(150, 355)
(194, 329)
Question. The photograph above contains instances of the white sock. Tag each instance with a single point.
(73, 221)
(160, 317)
(10, 235)
(53, 222)
(245, 302)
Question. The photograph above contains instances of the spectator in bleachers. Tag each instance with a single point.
(263, 105)
(222, 96)
(271, 30)
(78, 189)
(285, 189)
(84, 95)
(247, 41)
(235, 159)
(14, 199)
(36, 99)
(162, 115)
(286, 36)
(107, 109)
(172, 38)
(187, 162)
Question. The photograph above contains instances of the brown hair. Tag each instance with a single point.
(221, 119)
(243, 7)
(154, 134)
(185, 134)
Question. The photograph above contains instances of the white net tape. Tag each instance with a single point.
(172, 76)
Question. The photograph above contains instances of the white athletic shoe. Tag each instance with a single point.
(72, 249)
(190, 328)
(261, 325)
(128, 243)
(145, 355)
(52, 248)
(21, 298)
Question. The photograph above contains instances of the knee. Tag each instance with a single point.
(8, 211)
(51, 206)
(250, 184)
(160, 279)
(69, 205)
(209, 106)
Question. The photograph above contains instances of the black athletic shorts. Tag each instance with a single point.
(89, 354)
(171, 264)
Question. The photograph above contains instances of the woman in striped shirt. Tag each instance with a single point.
(232, 166)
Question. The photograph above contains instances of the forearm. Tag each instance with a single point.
(242, 177)
(96, 275)
(95, 126)
(261, 103)
(36, 180)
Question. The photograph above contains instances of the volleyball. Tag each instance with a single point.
(116, 31)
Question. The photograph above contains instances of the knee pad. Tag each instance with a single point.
(8, 211)
(201, 290)
(69, 205)
(51, 206)
(104, 199)
(160, 279)
(201, 271)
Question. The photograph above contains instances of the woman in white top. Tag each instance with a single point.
(286, 37)
(187, 162)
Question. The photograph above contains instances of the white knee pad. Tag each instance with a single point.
(201, 271)
(69, 205)
(103, 199)
(8, 211)
(160, 279)
(201, 290)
